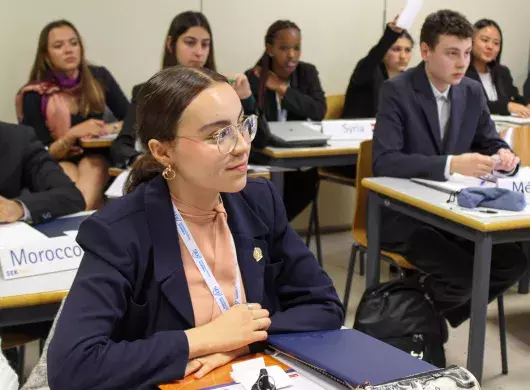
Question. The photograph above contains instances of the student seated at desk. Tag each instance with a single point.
(390, 57)
(195, 265)
(434, 122)
(188, 42)
(287, 89)
(502, 95)
(65, 100)
(33, 188)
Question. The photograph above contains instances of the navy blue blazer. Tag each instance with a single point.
(122, 326)
(407, 139)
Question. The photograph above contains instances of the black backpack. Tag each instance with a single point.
(400, 313)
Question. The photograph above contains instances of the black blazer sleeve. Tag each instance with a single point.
(366, 68)
(311, 104)
(388, 142)
(52, 193)
(33, 117)
(123, 150)
(85, 340)
(526, 88)
(114, 96)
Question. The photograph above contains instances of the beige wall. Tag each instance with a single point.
(127, 37)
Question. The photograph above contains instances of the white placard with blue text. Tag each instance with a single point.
(43, 257)
(358, 129)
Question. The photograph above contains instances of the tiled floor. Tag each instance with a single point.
(336, 248)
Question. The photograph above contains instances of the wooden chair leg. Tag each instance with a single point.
(502, 334)
(349, 277)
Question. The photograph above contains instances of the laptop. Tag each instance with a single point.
(297, 134)
(349, 356)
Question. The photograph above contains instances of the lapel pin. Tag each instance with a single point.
(258, 254)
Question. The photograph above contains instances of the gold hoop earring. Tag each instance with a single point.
(168, 173)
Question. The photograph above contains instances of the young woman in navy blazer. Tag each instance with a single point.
(128, 321)
(503, 96)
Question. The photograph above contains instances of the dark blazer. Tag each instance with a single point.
(304, 98)
(506, 90)
(526, 88)
(407, 141)
(124, 317)
(122, 150)
(114, 99)
(362, 95)
(30, 175)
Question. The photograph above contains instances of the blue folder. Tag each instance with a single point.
(349, 356)
(57, 227)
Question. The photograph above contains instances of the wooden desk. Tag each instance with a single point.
(99, 142)
(424, 204)
(344, 153)
(115, 171)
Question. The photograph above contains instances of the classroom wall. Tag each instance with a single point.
(127, 37)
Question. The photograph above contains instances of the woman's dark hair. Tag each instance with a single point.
(444, 22)
(405, 34)
(160, 106)
(482, 23)
(265, 62)
(91, 94)
(179, 25)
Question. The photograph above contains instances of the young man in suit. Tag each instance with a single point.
(434, 122)
(33, 187)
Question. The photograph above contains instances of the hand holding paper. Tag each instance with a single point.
(409, 13)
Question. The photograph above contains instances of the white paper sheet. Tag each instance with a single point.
(409, 13)
(115, 190)
(18, 233)
(484, 212)
(71, 233)
(510, 119)
(457, 182)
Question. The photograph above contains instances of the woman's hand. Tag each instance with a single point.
(206, 364)
(519, 110)
(89, 128)
(234, 329)
(274, 83)
(240, 84)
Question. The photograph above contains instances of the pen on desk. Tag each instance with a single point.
(487, 211)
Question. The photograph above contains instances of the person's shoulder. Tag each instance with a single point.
(255, 188)
(306, 67)
(471, 85)
(11, 131)
(503, 70)
(405, 78)
(98, 71)
(124, 210)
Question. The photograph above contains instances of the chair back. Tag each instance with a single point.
(335, 104)
(364, 169)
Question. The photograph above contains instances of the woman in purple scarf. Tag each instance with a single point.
(65, 100)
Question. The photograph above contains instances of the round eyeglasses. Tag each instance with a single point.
(226, 138)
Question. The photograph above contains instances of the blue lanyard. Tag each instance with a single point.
(202, 265)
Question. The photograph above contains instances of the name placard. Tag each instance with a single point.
(516, 184)
(360, 130)
(43, 257)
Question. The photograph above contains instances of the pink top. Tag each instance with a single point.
(210, 230)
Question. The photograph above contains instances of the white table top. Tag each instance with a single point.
(435, 201)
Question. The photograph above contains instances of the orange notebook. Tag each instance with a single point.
(219, 376)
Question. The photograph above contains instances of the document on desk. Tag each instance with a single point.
(106, 137)
(456, 183)
(510, 119)
(485, 212)
(298, 382)
(115, 190)
(18, 233)
(408, 15)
